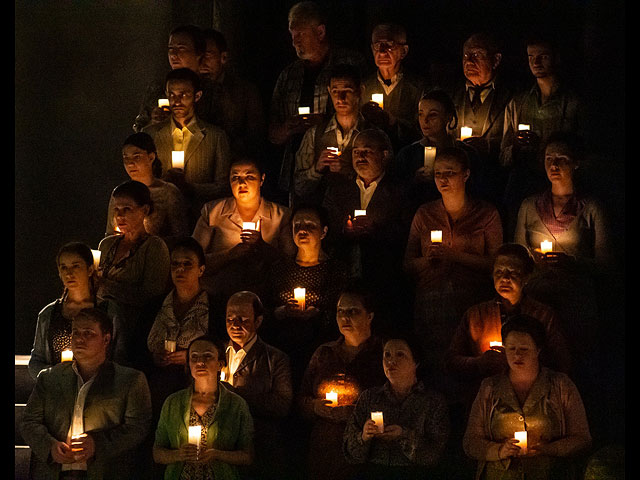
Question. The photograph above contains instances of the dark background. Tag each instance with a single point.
(82, 68)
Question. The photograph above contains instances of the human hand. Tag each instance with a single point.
(251, 238)
(159, 114)
(187, 453)
(161, 359)
(423, 175)
(322, 409)
(175, 176)
(372, 112)
(492, 362)
(527, 139)
(369, 430)
(509, 449)
(328, 161)
(391, 432)
(541, 449)
(361, 224)
(61, 453)
(179, 357)
(479, 143)
(205, 455)
(83, 447)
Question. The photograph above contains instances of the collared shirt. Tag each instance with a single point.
(366, 193)
(394, 81)
(182, 135)
(77, 419)
(234, 358)
(486, 90)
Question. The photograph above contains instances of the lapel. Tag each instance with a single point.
(252, 355)
(164, 145)
(194, 143)
(103, 385)
(501, 97)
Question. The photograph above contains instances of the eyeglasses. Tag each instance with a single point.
(474, 56)
(386, 45)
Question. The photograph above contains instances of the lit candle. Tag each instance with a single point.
(170, 346)
(76, 440)
(66, 356)
(304, 110)
(358, 213)
(249, 225)
(117, 229)
(300, 295)
(96, 258)
(334, 150)
(465, 132)
(546, 246)
(333, 398)
(495, 344)
(378, 420)
(163, 102)
(436, 236)
(429, 157)
(522, 440)
(378, 98)
(523, 126)
(223, 375)
(177, 159)
(194, 435)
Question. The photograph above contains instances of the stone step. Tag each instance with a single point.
(22, 459)
(19, 412)
(24, 382)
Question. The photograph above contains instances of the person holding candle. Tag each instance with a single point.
(77, 271)
(226, 433)
(415, 419)
(88, 418)
(168, 219)
(236, 258)
(353, 359)
(451, 275)
(134, 265)
(528, 397)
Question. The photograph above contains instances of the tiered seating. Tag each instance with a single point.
(23, 386)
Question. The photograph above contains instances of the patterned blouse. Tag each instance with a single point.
(192, 471)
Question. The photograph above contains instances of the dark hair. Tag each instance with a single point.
(379, 138)
(487, 40)
(195, 32)
(417, 352)
(444, 99)
(520, 252)
(84, 252)
(307, 12)
(256, 303)
(191, 245)
(216, 342)
(135, 190)
(543, 38)
(145, 142)
(247, 160)
(99, 316)
(398, 32)
(456, 154)
(574, 143)
(358, 288)
(346, 71)
(184, 74)
(524, 323)
(217, 38)
(319, 210)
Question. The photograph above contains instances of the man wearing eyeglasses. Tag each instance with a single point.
(400, 89)
(204, 175)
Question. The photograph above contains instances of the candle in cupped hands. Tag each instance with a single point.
(96, 258)
(170, 346)
(66, 356)
(522, 440)
(248, 225)
(299, 294)
(378, 420)
(546, 246)
(177, 159)
(523, 126)
(465, 132)
(360, 213)
(436, 236)
(304, 110)
(332, 397)
(195, 433)
(429, 157)
(378, 98)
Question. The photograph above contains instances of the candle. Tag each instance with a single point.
(223, 375)
(170, 345)
(66, 356)
(163, 102)
(75, 440)
(429, 157)
(522, 440)
(304, 110)
(249, 225)
(436, 236)
(177, 159)
(333, 398)
(523, 126)
(495, 344)
(334, 150)
(300, 295)
(117, 229)
(96, 258)
(194, 435)
(546, 246)
(465, 132)
(358, 213)
(378, 98)
(378, 420)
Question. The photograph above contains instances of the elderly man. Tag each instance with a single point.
(326, 147)
(86, 418)
(260, 374)
(303, 83)
(400, 89)
(203, 176)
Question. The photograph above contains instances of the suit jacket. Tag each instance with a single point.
(206, 160)
(117, 415)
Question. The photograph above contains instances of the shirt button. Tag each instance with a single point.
(521, 418)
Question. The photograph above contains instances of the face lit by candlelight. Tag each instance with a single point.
(449, 175)
(128, 215)
(182, 99)
(182, 52)
(307, 38)
(352, 316)
(508, 278)
(213, 61)
(541, 60)
(138, 163)
(308, 231)
(73, 271)
(204, 359)
(398, 362)
(185, 268)
(246, 181)
(521, 350)
(88, 341)
(345, 95)
(432, 118)
(369, 158)
(559, 164)
(478, 64)
(242, 324)
(388, 52)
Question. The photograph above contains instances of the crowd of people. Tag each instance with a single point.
(419, 301)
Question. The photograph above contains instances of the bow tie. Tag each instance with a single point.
(386, 82)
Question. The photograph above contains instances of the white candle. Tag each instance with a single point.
(378, 420)
(495, 344)
(177, 159)
(163, 102)
(358, 213)
(194, 435)
(300, 295)
(436, 236)
(523, 126)
(378, 98)
(96, 258)
(333, 398)
(304, 110)
(546, 246)
(223, 375)
(465, 132)
(429, 157)
(334, 150)
(66, 356)
(522, 440)
(249, 225)
(170, 345)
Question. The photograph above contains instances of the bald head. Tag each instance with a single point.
(244, 316)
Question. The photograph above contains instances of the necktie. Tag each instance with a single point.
(476, 103)
(386, 82)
